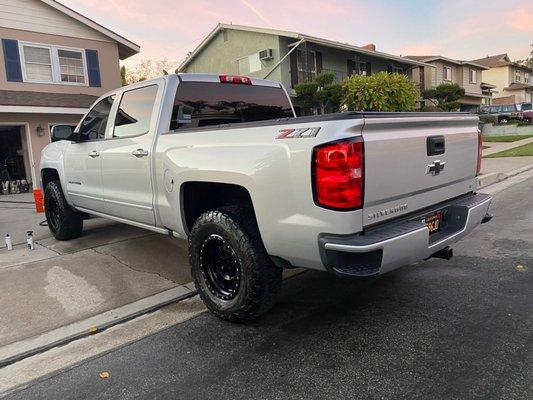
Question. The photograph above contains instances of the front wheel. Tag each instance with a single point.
(231, 269)
(64, 222)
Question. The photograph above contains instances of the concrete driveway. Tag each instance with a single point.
(110, 266)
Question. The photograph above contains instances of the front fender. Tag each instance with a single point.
(52, 157)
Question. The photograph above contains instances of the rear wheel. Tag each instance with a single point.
(503, 120)
(231, 269)
(64, 222)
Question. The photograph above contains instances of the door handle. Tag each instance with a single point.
(94, 154)
(140, 153)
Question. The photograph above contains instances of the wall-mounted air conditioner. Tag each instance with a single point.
(266, 54)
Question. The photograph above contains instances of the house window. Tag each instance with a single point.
(447, 74)
(71, 66)
(517, 75)
(526, 77)
(473, 76)
(306, 73)
(53, 64)
(38, 64)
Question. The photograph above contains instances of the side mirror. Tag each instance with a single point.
(62, 132)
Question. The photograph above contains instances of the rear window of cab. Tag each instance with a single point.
(200, 104)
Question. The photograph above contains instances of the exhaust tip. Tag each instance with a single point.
(446, 253)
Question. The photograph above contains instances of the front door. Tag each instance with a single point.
(127, 157)
(83, 165)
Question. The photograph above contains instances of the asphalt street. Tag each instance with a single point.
(458, 329)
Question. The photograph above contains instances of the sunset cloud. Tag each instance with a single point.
(462, 29)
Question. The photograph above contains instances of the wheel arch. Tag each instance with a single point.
(197, 197)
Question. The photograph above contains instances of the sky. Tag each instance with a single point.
(459, 29)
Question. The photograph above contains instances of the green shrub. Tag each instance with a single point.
(379, 92)
(445, 96)
(322, 95)
(487, 119)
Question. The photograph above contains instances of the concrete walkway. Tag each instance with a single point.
(496, 147)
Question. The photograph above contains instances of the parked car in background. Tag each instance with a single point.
(526, 110)
(503, 113)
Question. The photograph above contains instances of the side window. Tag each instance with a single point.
(135, 112)
(93, 125)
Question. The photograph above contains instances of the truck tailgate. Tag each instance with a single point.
(404, 171)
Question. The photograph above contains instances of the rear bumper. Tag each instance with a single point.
(394, 244)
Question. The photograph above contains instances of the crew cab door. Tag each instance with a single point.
(126, 155)
(83, 165)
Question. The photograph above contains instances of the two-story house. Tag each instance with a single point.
(287, 57)
(54, 63)
(514, 82)
(467, 74)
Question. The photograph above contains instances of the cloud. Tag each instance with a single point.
(521, 19)
(459, 29)
(422, 49)
(253, 9)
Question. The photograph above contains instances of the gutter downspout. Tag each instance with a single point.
(283, 59)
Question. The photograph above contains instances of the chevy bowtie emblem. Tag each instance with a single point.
(435, 167)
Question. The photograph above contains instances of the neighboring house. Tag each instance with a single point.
(514, 82)
(54, 63)
(466, 74)
(260, 52)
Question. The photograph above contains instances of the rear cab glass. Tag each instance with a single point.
(199, 104)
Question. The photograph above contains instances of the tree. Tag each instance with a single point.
(321, 95)
(379, 92)
(528, 62)
(123, 75)
(445, 96)
(146, 69)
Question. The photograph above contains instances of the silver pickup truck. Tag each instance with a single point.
(223, 161)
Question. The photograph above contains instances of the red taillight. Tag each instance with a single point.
(479, 151)
(338, 170)
(240, 80)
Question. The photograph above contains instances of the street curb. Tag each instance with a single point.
(495, 177)
(17, 351)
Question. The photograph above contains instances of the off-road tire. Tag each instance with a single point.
(64, 222)
(260, 280)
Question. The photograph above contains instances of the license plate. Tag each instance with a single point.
(434, 222)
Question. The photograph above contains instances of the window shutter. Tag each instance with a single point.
(93, 68)
(318, 56)
(12, 60)
(294, 68)
(368, 68)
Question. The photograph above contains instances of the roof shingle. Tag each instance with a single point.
(45, 99)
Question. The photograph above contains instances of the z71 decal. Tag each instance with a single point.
(293, 133)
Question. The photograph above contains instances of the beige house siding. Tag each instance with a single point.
(35, 16)
(466, 84)
(107, 55)
(456, 72)
(500, 77)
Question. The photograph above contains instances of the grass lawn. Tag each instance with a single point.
(505, 138)
(521, 151)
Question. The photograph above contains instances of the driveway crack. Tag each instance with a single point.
(129, 266)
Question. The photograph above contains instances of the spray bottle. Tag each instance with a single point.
(29, 240)
(9, 244)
